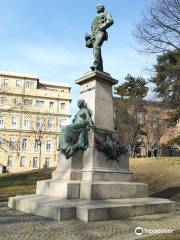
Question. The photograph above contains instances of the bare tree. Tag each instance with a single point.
(141, 124)
(160, 129)
(155, 125)
(128, 124)
(9, 107)
(159, 29)
(9, 144)
(40, 125)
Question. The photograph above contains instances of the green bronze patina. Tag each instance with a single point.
(112, 149)
(98, 35)
(75, 136)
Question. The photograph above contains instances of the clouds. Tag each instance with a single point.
(46, 38)
(50, 63)
(63, 64)
(30, 57)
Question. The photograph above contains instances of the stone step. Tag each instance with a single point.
(92, 190)
(99, 190)
(123, 208)
(65, 189)
(50, 207)
(89, 210)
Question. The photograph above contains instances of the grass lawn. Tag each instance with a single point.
(22, 183)
(161, 174)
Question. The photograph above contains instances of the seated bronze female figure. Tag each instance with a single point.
(75, 136)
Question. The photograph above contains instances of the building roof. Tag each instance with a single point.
(21, 75)
(32, 76)
(54, 84)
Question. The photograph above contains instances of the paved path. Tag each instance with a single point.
(15, 225)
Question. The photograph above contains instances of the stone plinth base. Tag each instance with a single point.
(92, 190)
(88, 211)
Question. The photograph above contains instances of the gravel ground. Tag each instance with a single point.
(15, 225)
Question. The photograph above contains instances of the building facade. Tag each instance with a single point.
(32, 113)
(144, 128)
(156, 131)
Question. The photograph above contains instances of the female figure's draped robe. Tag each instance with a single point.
(75, 135)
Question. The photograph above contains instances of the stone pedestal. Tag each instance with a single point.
(96, 90)
(69, 169)
(98, 166)
(90, 185)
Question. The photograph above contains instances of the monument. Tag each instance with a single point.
(98, 35)
(92, 180)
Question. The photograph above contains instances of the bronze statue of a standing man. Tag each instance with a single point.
(98, 35)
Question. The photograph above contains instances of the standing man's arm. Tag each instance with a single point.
(109, 22)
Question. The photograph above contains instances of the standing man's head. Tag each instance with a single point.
(100, 8)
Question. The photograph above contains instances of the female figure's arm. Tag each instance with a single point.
(74, 119)
(89, 119)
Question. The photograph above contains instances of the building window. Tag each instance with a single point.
(1, 121)
(22, 161)
(49, 123)
(38, 123)
(14, 121)
(16, 101)
(3, 100)
(36, 144)
(24, 144)
(12, 143)
(5, 82)
(1, 142)
(35, 162)
(29, 84)
(62, 123)
(39, 104)
(62, 105)
(28, 102)
(26, 123)
(51, 105)
(47, 162)
(48, 145)
(18, 83)
(9, 161)
(155, 119)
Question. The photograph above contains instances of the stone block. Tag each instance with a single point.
(95, 190)
(45, 206)
(65, 189)
(95, 160)
(69, 169)
(88, 211)
(123, 208)
(13, 201)
(96, 90)
(126, 176)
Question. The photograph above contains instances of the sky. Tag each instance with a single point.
(46, 38)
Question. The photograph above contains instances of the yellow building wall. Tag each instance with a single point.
(51, 120)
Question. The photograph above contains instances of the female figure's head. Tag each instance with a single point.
(81, 103)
